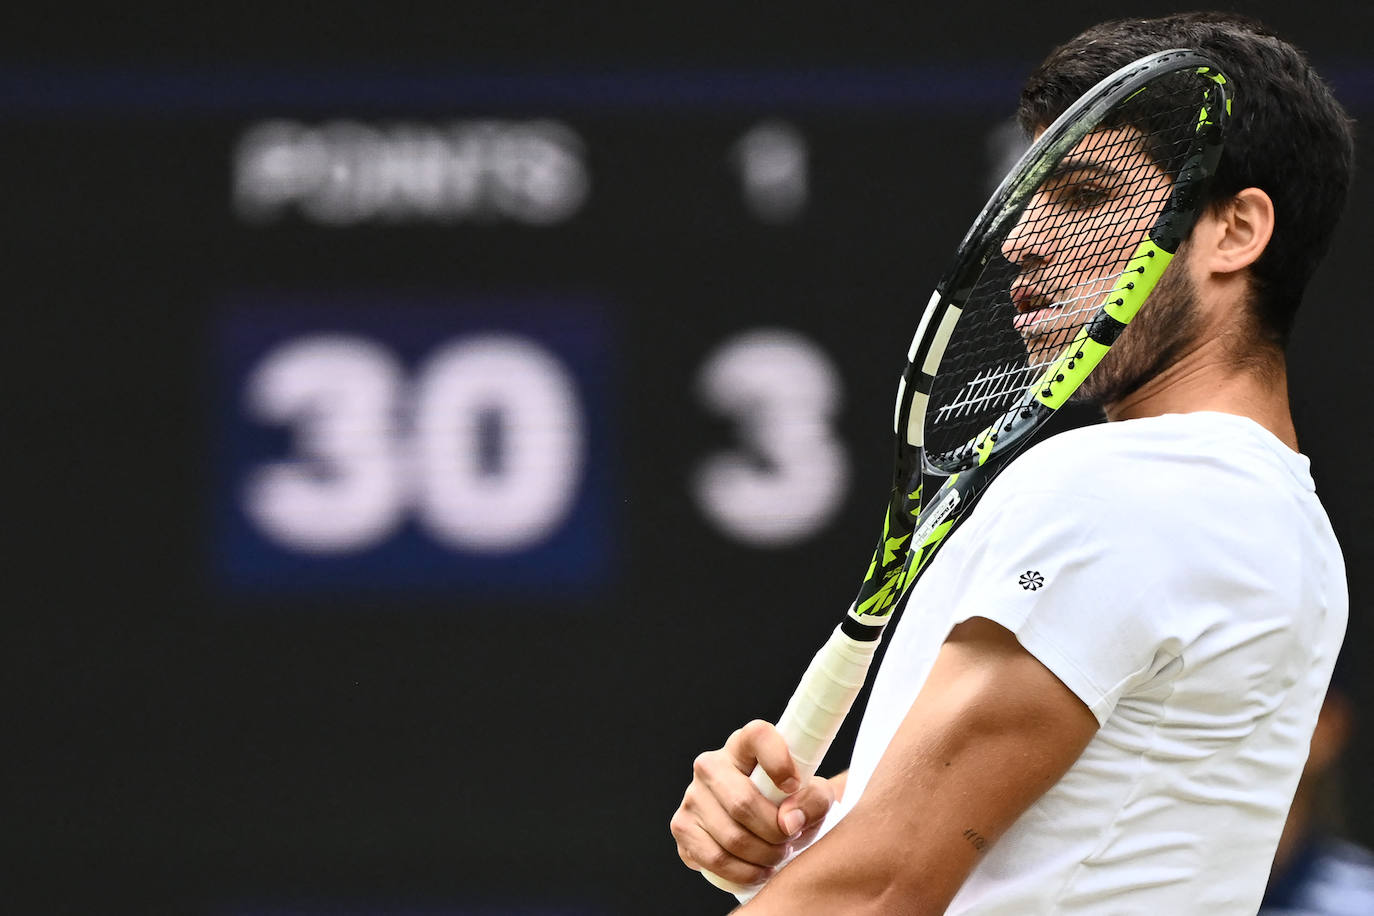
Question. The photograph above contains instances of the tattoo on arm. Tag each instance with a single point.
(976, 839)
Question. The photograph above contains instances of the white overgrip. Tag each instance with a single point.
(818, 707)
(812, 719)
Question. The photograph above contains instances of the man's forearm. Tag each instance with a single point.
(843, 873)
(991, 730)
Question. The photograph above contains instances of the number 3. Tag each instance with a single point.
(788, 482)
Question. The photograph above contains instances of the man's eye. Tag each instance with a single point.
(1084, 195)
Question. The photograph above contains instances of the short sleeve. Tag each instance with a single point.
(1072, 577)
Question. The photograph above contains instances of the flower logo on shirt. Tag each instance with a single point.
(1031, 580)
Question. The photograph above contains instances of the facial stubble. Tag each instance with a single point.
(1167, 323)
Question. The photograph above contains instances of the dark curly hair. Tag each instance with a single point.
(1288, 135)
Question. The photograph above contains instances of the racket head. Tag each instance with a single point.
(1059, 261)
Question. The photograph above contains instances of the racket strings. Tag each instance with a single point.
(987, 386)
(1069, 253)
(1015, 376)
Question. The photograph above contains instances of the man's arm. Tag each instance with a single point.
(989, 733)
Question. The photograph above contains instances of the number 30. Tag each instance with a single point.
(373, 446)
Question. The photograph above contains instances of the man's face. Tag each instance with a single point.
(1075, 238)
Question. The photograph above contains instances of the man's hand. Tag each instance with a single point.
(725, 826)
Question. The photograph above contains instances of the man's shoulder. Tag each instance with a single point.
(1157, 457)
(1180, 480)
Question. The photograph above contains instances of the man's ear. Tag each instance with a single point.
(1234, 232)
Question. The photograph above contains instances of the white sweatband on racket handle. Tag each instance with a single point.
(812, 719)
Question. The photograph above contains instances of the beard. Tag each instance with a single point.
(1165, 326)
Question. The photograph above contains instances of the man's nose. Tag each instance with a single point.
(1029, 242)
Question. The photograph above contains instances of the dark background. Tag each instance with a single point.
(420, 729)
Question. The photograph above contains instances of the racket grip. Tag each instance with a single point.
(812, 719)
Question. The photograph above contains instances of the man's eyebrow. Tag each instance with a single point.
(1071, 166)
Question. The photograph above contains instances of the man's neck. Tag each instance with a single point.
(1207, 378)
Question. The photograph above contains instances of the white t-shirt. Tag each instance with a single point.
(1179, 575)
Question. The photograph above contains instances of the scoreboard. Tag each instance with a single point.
(445, 334)
(426, 461)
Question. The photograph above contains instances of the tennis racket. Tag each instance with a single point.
(1052, 271)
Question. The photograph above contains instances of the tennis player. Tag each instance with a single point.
(1102, 696)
